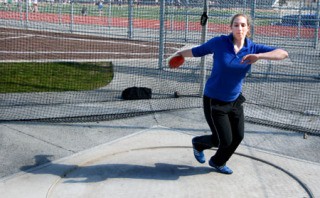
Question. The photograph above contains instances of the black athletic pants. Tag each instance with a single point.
(226, 121)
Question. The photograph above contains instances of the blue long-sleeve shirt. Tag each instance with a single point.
(225, 82)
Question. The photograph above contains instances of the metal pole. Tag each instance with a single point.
(130, 21)
(172, 14)
(71, 16)
(186, 21)
(299, 21)
(109, 14)
(27, 14)
(20, 4)
(203, 59)
(161, 32)
(252, 15)
(316, 32)
(60, 12)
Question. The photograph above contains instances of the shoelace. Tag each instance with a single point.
(196, 152)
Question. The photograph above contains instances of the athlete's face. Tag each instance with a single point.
(240, 28)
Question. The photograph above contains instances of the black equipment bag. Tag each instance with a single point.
(136, 93)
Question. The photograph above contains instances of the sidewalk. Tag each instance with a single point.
(158, 162)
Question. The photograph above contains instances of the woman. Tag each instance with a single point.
(222, 100)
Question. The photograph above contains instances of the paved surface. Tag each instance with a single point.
(151, 156)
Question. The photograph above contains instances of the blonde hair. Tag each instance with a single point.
(248, 22)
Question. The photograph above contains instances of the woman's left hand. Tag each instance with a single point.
(277, 54)
(250, 59)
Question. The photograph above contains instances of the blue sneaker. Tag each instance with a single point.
(199, 155)
(222, 169)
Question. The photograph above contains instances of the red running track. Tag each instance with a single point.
(268, 30)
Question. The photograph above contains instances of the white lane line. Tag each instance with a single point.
(99, 41)
(16, 37)
(61, 52)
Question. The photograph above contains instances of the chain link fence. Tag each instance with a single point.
(283, 94)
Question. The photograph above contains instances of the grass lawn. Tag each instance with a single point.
(54, 76)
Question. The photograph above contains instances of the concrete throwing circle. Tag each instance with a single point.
(173, 172)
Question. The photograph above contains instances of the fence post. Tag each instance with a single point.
(203, 73)
(299, 20)
(109, 14)
(130, 21)
(20, 5)
(252, 15)
(161, 32)
(171, 4)
(71, 16)
(316, 32)
(60, 12)
(186, 21)
(27, 14)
